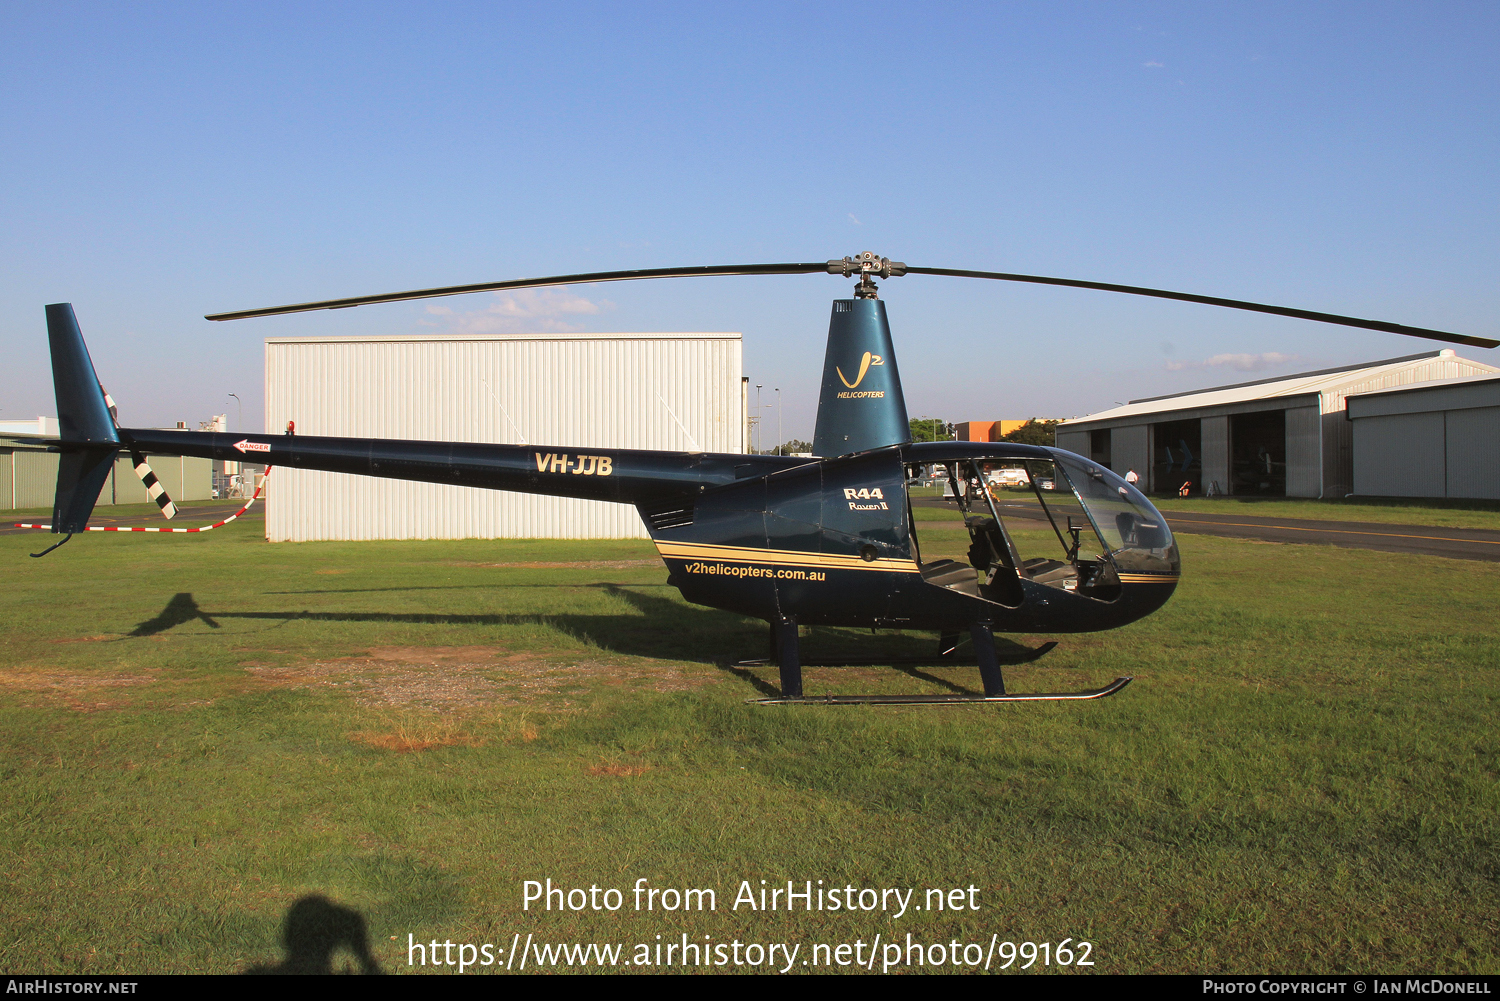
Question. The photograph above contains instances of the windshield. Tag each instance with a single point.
(1130, 526)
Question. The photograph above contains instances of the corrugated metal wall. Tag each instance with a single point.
(1437, 441)
(1452, 453)
(184, 477)
(1338, 454)
(31, 478)
(1130, 448)
(28, 479)
(1338, 435)
(1304, 452)
(1074, 441)
(1400, 455)
(1474, 452)
(578, 390)
(1214, 440)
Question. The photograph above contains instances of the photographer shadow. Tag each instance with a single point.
(314, 930)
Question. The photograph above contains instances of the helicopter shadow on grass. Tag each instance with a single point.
(658, 628)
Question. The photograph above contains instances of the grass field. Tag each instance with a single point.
(200, 731)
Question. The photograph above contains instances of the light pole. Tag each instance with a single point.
(240, 418)
(779, 440)
(758, 438)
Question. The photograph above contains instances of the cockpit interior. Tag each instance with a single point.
(1064, 522)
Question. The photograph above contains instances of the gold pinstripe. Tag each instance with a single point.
(779, 557)
(792, 558)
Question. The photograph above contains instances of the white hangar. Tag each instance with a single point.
(1434, 439)
(1281, 437)
(677, 392)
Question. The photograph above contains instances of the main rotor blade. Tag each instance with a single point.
(820, 267)
(1208, 300)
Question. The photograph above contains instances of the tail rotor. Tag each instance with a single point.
(154, 489)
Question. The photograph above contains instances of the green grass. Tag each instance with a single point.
(199, 731)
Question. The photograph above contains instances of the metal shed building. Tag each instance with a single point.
(28, 472)
(1286, 436)
(1434, 439)
(680, 392)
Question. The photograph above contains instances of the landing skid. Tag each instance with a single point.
(939, 661)
(784, 654)
(942, 700)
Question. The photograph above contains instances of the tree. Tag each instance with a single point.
(792, 447)
(1035, 432)
(930, 429)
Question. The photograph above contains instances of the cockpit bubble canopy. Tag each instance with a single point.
(1130, 526)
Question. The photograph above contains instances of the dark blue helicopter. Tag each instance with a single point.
(830, 540)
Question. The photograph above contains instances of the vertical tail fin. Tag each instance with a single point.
(861, 406)
(81, 408)
(89, 441)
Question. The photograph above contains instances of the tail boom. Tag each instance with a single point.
(626, 476)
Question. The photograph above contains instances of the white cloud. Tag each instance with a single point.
(1238, 362)
(854, 220)
(1153, 64)
(526, 310)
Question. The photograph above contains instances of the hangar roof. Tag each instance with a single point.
(1462, 393)
(1328, 380)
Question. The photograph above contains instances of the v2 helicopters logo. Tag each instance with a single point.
(866, 363)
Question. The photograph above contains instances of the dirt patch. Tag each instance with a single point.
(70, 682)
(451, 679)
(80, 692)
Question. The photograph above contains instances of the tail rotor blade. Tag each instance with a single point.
(109, 403)
(154, 489)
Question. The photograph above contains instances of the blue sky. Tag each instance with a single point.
(165, 161)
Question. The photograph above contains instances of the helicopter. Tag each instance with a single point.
(825, 541)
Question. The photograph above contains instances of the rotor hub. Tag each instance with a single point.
(868, 266)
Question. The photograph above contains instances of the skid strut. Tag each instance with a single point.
(785, 654)
(784, 649)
